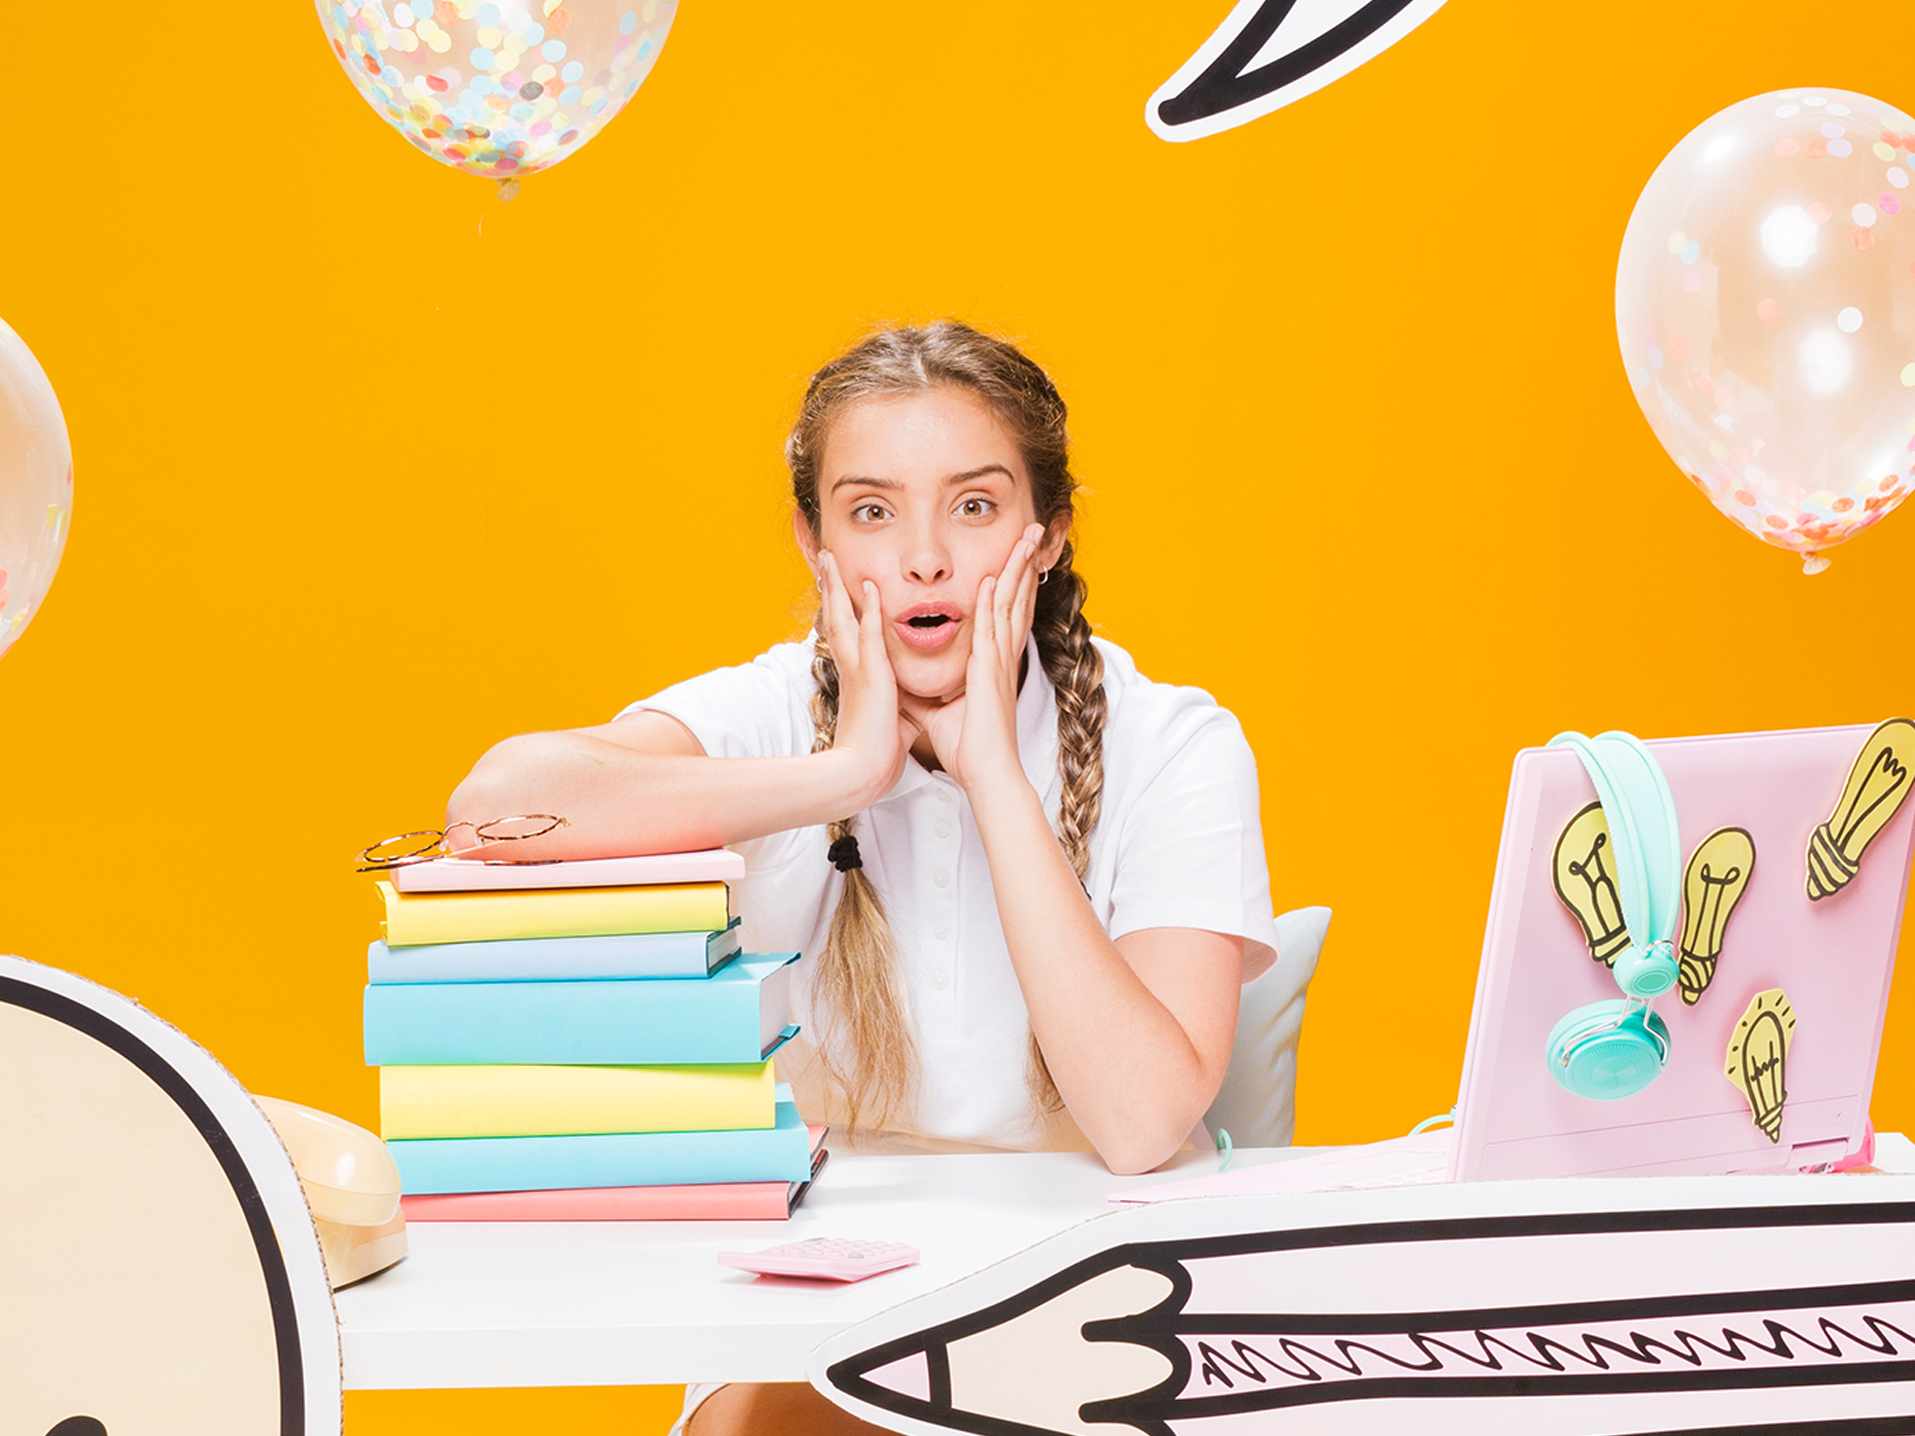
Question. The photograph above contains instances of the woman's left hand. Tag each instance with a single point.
(975, 734)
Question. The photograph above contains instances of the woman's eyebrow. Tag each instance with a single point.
(864, 482)
(978, 473)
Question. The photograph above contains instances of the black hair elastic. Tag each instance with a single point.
(844, 854)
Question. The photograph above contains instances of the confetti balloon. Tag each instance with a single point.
(500, 88)
(36, 485)
(1765, 303)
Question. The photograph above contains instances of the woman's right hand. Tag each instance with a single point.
(871, 730)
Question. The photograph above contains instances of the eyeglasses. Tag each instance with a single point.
(431, 843)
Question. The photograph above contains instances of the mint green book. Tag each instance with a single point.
(741, 1013)
(781, 1153)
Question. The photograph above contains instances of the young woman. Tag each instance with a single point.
(1028, 881)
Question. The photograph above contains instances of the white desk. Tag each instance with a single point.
(646, 1303)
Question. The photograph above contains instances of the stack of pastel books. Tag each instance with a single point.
(582, 1041)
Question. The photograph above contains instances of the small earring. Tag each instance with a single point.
(821, 584)
(1043, 577)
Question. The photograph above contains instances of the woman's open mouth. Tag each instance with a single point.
(928, 626)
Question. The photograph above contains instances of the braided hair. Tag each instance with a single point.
(867, 1051)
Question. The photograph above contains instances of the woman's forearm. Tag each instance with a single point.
(1130, 1072)
(618, 800)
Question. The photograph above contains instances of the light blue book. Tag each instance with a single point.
(741, 1013)
(557, 959)
(643, 1159)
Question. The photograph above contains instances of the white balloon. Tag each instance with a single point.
(1765, 304)
(36, 485)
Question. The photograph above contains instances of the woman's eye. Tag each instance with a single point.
(868, 513)
(975, 508)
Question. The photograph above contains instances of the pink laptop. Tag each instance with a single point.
(1832, 958)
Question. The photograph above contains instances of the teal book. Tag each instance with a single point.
(741, 1013)
(781, 1153)
(557, 959)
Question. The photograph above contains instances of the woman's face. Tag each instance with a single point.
(925, 495)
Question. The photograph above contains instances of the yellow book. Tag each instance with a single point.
(415, 918)
(573, 1101)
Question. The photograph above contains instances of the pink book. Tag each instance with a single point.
(461, 875)
(718, 1202)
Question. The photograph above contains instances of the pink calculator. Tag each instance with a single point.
(824, 1259)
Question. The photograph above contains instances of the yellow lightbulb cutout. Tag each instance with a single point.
(1878, 782)
(1758, 1055)
(1586, 882)
(1712, 884)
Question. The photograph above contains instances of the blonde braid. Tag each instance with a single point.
(1076, 670)
(856, 991)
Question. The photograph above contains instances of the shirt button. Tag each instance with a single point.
(942, 931)
(942, 828)
(944, 793)
(940, 981)
(941, 878)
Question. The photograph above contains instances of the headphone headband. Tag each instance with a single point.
(1641, 813)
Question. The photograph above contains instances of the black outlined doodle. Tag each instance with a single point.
(1583, 870)
(1164, 1336)
(1268, 53)
(174, 1280)
(1878, 784)
(1713, 882)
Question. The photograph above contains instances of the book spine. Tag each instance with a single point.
(414, 919)
(715, 1202)
(556, 959)
(538, 1101)
(445, 875)
(650, 1159)
(723, 1018)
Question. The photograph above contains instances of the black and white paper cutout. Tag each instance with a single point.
(1269, 53)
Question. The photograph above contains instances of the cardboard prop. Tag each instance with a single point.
(1877, 786)
(1712, 884)
(1564, 1308)
(1757, 1060)
(161, 1275)
(1269, 53)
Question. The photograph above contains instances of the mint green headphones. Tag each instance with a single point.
(1616, 1048)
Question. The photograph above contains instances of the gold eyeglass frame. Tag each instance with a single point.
(437, 847)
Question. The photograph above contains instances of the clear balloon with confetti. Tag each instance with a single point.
(36, 485)
(1765, 303)
(500, 88)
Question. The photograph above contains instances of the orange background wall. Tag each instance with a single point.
(373, 470)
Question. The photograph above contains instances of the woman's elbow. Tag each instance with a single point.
(511, 774)
(1142, 1146)
(1142, 1141)
(1128, 1157)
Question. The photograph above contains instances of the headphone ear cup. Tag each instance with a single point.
(1646, 972)
(1607, 1050)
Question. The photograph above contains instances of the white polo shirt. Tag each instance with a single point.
(1178, 844)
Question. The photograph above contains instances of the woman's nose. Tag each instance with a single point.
(927, 560)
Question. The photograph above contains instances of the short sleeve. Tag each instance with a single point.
(758, 709)
(1190, 841)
